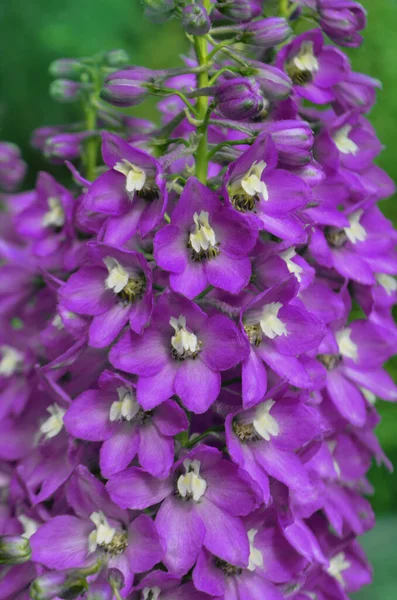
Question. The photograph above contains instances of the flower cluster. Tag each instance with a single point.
(187, 399)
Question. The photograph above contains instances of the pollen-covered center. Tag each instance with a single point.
(337, 565)
(106, 537)
(330, 361)
(128, 284)
(138, 181)
(261, 425)
(190, 485)
(55, 215)
(184, 343)
(11, 361)
(249, 189)
(265, 322)
(228, 569)
(343, 142)
(303, 66)
(202, 238)
(151, 593)
(54, 424)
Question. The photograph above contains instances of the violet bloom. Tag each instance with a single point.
(114, 288)
(202, 504)
(313, 67)
(349, 142)
(12, 167)
(182, 352)
(279, 331)
(358, 250)
(353, 356)
(263, 441)
(132, 193)
(112, 415)
(100, 533)
(205, 243)
(357, 90)
(47, 220)
(269, 197)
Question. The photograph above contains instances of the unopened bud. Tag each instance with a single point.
(68, 68)
(127, 87)
(62, 584)
(293, 140)
(12, 167)
(195, 19)
(66, 90)
(117, 58)
(65, 146)
(235, 10)
(159, 11)
(265, 33)
(342, 20)
(274, 83)
(239, 98)
(14, 550)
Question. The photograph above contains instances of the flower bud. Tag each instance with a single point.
(159, 11)
(66, 90)
(67, 68)
(341, 20)
(14, 550)
(239, 98)
(63, 584)
(195, 19)
(274, 83)
(293, 140)
(127, 87)
(116, 58)
(65, 146)
(237, 10)
(265, 33)
(12, 167)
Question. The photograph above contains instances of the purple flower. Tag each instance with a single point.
(202, 504)
(132, 193)
(111, 414)
(114, 288)
(205, 243)
(239, 98)
(12, 167)
(268, 196)
(264, 440)
(313, 67)
(279, 331)
(182, 352)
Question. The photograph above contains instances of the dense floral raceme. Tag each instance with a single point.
(195, 317)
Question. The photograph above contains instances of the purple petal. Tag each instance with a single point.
(88, 416)
(85, 292)
(197, 385)
(144, 355)
(156, 452)
(136, 489)
(145, 548)
(118, 450)
(224, 345)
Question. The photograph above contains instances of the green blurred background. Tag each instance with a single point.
(34, 33)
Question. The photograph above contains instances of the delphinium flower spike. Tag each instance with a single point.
(186, 402)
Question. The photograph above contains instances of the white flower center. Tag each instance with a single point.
(343, 142)
(126, 407)
(11, 360)
(151, 593)
(57, 322)
(264, 424)
(30, 526)
(388, 282)
(292, 267)
(251, 182)
(118, 277)
(255, 558)
(203, 236)
(183, 341)
(270, 324)
(355, 232)
(55, 216)
(368, 395)
(337, 565)
(135, 176)
(305, 60)
(54, 424)
(103, 533)
(191, 485)
(345, 344)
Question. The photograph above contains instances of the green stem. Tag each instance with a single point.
(200, 46)
(283, 7)
(181, 95)
(205, 292)
(198, 438)
(229, 143)
(92, 143)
